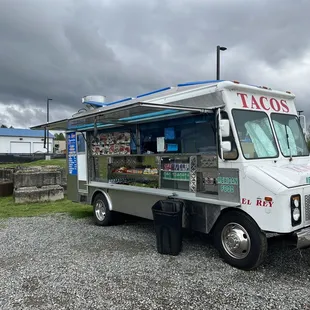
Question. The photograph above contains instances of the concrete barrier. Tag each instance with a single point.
(35, 194)
(38, 178)
(6, 181)
(6, 187)
(7, 174)
(43, 170)
(39, 183)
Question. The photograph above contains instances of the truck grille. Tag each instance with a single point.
(307, 208)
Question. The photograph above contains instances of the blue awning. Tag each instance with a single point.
(133, 114)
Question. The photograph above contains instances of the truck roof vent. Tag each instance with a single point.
(93, 101)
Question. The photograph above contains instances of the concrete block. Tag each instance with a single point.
(63, 176)
(7, 174)
(41, 194)
(45, 169)
(6, 187)
(36, 178)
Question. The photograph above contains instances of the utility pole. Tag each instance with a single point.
(47, 120)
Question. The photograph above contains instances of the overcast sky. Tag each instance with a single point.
(65, 49)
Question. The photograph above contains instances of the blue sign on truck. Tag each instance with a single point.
(72, 156)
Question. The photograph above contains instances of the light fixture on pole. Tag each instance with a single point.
(218, 51)
(47, 120)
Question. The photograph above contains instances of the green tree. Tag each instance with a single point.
(59, 136)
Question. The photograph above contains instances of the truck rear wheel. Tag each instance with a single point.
(240, 241)
(102, 213)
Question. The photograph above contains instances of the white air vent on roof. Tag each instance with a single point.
(93, 101)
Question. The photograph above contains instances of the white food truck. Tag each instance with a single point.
(235, 154)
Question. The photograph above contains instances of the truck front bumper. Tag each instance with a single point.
(303, 238)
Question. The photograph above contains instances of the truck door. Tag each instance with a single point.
(81, 162)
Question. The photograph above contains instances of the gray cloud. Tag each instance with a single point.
(66, 49)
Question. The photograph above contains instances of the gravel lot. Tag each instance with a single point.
(56, 262)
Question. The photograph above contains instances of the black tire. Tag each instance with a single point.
(102, 213)
(233, 227)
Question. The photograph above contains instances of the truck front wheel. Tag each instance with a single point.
(240, 241)
(102, 213)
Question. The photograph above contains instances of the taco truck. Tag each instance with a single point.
(235, 154)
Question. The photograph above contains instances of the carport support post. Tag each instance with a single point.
(47, 131)
(218, 51)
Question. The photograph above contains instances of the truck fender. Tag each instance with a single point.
(106, 195)
(225, 212)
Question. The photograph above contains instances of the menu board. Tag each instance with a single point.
(72, 157)
(111, 143)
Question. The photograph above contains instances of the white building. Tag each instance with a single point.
(23, 141)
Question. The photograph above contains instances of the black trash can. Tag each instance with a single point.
(168, 226)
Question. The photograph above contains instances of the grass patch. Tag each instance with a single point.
(9, 209)
(42, 162)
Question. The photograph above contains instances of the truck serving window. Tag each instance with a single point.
(290, 136)
(194, 134)
(255, 134)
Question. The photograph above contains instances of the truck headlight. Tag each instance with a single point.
(295, 210)
(296, 203)
(296, 214)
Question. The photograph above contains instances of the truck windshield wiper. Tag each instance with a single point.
(288, 142)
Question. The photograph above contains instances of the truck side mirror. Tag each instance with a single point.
(226, 146)
(225, 128)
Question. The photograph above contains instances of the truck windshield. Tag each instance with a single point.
(255, 134)
(289, 134)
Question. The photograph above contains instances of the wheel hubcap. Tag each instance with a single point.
(100, 210)
(236, 240)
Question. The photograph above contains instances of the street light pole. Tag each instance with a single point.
(47, 120)
(218, 51)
